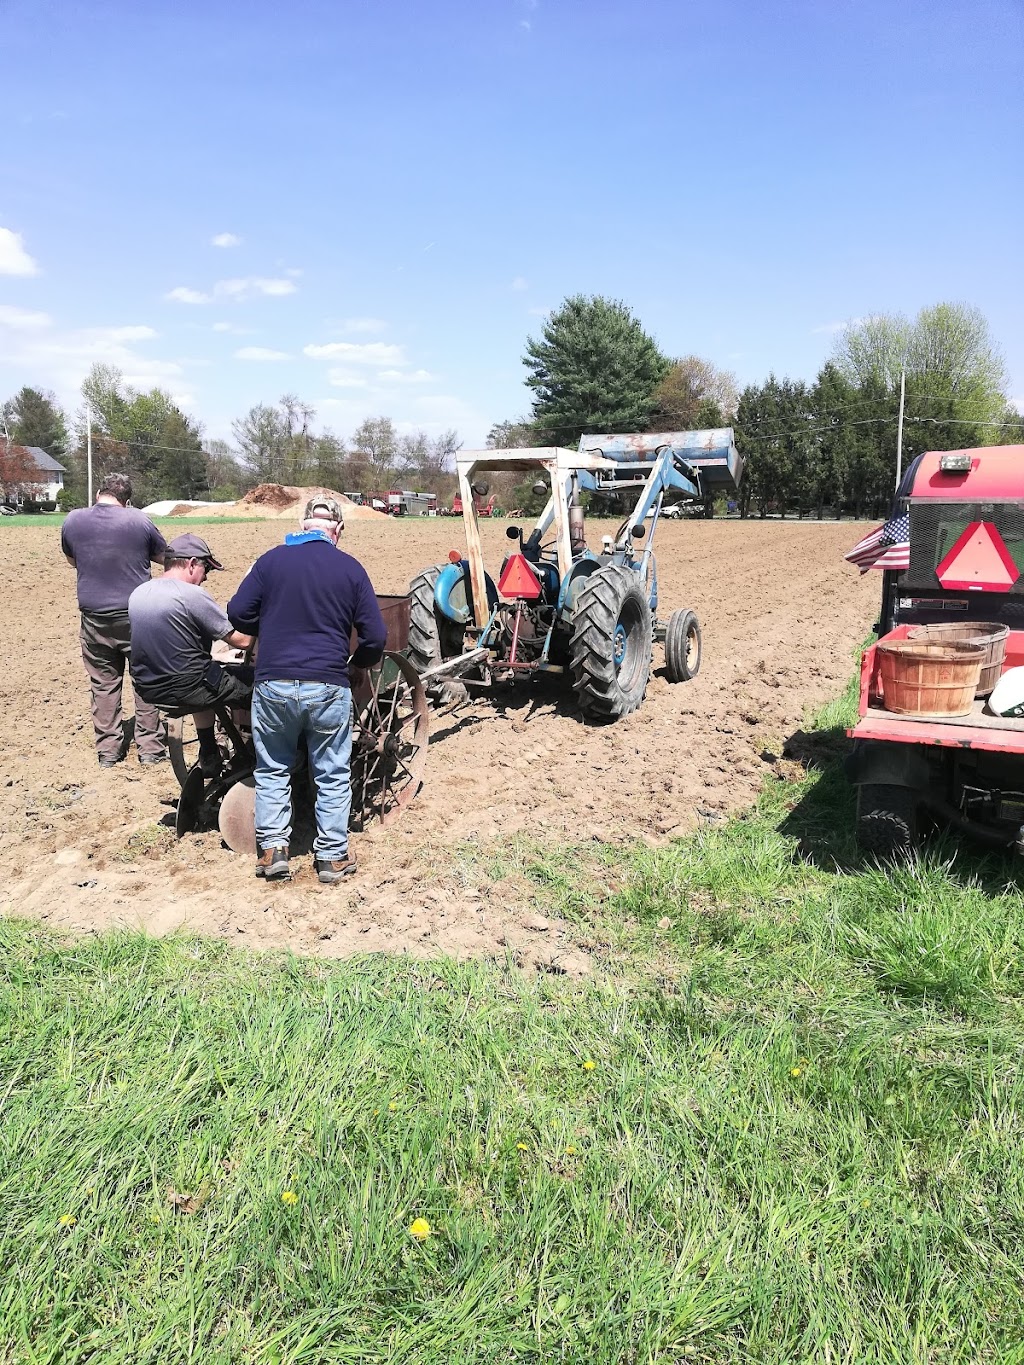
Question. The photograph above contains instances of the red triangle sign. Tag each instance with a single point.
(979, 560)
(518, 579)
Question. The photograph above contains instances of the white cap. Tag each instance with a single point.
(1007, 697)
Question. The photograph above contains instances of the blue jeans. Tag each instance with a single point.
(284, 710)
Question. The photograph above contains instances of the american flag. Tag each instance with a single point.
(887, 546)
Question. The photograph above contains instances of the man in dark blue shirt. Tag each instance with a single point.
(304, 599)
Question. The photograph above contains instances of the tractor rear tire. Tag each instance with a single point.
(887, 823)
(610, 649)
(682, 646)
(431, 638)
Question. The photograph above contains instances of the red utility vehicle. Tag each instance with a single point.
(960, 554)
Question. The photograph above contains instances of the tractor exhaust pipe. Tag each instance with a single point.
(577, 535)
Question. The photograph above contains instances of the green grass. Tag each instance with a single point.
(33, 519)
(800, 1140)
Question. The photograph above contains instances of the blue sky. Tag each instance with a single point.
(373, 205)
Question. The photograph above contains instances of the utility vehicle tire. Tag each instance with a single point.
(682, 646)
(610, 649)
(431, 638)
(887, 823)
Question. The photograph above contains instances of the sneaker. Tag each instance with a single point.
(110, 760)
(331, 870)
(273, 865)
(148, 759)
(210, 764)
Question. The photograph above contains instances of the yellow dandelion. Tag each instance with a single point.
(796, 1071)
(865, 1203)
(376, 1112)
(420, 1229)
(289, 1197)
(392, 1107)
(570, 1150)
(68, 1220)
(588, 1065)
(521, 1147)
(154, 1218)
(90, 1189)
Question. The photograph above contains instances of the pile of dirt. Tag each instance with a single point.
(282, 501)
(274, 495)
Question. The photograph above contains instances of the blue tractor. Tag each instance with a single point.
(560, 605)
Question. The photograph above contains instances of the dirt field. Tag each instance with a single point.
(82, 848)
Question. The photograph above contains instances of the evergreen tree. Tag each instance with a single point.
(35, 419)
(595, 369)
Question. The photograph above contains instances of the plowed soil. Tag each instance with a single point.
(85, 849)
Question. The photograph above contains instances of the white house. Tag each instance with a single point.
(41, 494)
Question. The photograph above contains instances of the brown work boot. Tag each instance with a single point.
(273, 865)
(332, 870)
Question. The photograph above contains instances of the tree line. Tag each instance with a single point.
(147, 436)
(808, 446)
(830, 444)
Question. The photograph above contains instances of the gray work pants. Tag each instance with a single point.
(106, 646)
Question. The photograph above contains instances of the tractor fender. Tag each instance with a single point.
(453, 596)
(575, 581)
(895, 765)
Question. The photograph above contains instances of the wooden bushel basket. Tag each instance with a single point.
(989, 634)
(924, 679)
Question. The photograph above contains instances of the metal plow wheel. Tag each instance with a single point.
(389, 741)
(236, 818)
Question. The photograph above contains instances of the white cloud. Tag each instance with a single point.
(260, 353)
(519, 284)
(21, 319)
(182, 294)
(14, 259)
(294, 273)
(253, 284)
(538, 312)
(225, 239)
(230, 327)
(234, 289)
(404, 376)
(369, 353)
(121, 335)
(364, 325)
(347, 379)
(60, 359)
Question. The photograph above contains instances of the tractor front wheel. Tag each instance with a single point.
(682, 646)
(610, 649)
(431, 638)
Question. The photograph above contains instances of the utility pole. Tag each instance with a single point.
(89, 453)
(899, 429)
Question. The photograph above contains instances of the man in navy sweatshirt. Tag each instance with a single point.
(304, 599)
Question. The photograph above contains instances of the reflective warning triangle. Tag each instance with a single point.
(518, 579)
(979, 560)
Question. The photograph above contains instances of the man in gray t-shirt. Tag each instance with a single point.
(174, 622)
(111, 545)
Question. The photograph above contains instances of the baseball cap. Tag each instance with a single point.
(323, 508)
(191, 546)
